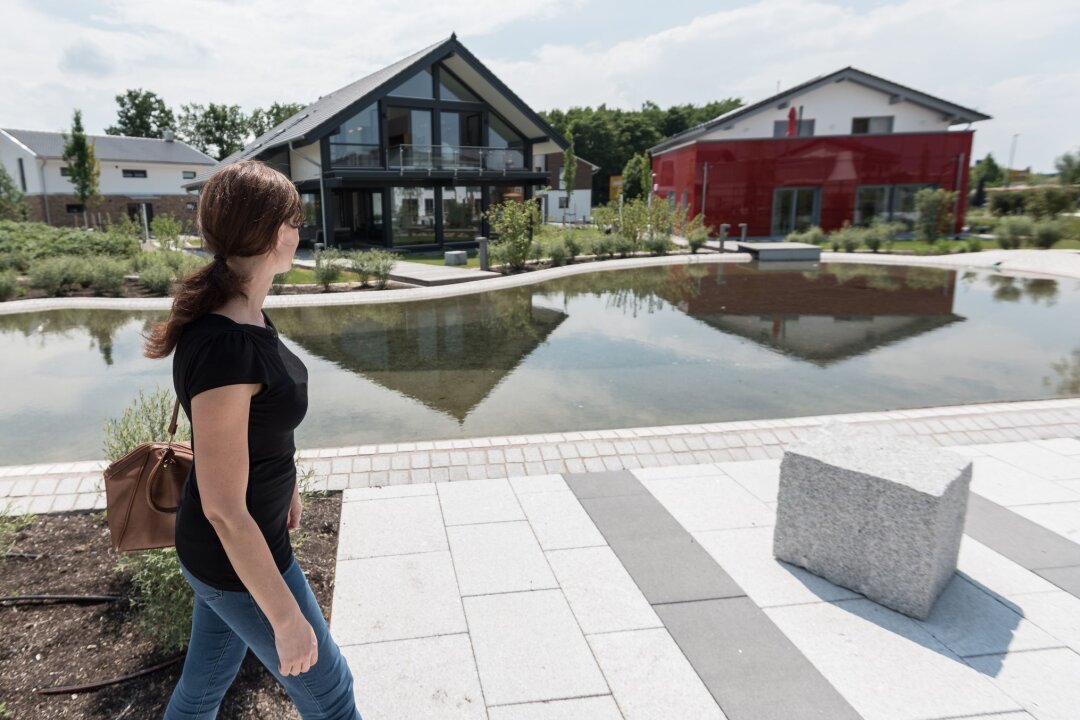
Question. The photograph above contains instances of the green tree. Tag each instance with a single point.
(217, 130)
(12, 202)
(987, 170)
(141, 113)
(1068, 167)
(934, 210)
(82, 164)
(262, 121)
(634, 174)
(513, 221)
(569, 171)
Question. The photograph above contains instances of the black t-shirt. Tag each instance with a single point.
(215, 351)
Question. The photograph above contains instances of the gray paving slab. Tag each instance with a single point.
(1060, 517)
(602, 707)
(632, 516)
(1066, 578)
(673, 570)
(751, 668)
(1021, 540)
(604, 484)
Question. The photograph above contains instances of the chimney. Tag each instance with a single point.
(169, 136)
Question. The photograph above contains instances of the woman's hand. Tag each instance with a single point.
(296, 509)
(297, 648)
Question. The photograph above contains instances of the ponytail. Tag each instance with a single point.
(201, 292)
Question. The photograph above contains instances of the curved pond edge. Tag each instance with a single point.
(1031, 263)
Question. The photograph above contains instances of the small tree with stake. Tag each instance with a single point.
(569, 172)
(82, 164)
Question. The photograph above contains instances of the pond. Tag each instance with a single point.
(695, 343)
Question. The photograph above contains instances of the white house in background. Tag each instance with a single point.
(575, 206)
(134, 172)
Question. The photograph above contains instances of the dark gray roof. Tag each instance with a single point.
(115, 147)
(306, 125)
(957, 113)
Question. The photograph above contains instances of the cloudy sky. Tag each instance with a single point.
(1016, 61)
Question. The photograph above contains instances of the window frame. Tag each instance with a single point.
(133, 174)
(188, 174)
(869, 119)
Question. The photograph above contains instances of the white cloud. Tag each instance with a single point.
(1012, 60)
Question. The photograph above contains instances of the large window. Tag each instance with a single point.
(22, 175)
(451, 89)
(462, 136)
(794, 209)
(421, 86)
(461, 213)
(886, 203)
(872, 125)
(412, 218)
(312, 204)
(134, 173)
(356, 142)
(805, 128)
(409, 137)
(508, 148)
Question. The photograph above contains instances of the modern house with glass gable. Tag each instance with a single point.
(411, 155)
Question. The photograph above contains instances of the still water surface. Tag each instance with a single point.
(652, 346)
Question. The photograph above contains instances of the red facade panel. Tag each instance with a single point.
(743, 175)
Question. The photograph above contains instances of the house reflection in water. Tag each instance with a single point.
(448, 354)
(820, 313)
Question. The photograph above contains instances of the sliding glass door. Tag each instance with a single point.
(795, 209)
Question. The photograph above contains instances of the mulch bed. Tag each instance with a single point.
(61, 645)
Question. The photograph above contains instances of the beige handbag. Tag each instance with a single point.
(142, 492)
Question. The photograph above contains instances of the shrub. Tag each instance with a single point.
(157, 277)
(55, 274)
(327, 269)
(126, 227)
(21, 244)
(1006, 202)
(106, 275)
(7, 284)
(573, 245)
(1047, 233)
(166, 229)
(624, 245)
(1049, 201)
(847, 237)
(974, 245)
(1013, 229)
(357, 261)
(166, 600)
(379, 264)
(934, 214)
(812, 235)
(657, 244)
(513, 222)
(834, 244)
(697, 238)
(982, 223)
(558, 251)
(604, 246)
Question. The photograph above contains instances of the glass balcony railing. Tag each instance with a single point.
(427, 157)
(455, 157)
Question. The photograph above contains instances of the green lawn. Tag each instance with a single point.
(303, 276)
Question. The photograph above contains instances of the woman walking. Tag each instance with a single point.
(245, 393)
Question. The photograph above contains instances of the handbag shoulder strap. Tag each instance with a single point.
(172, 423)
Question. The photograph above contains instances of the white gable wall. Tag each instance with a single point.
(10, 153)
(305, 162)
(832, 108)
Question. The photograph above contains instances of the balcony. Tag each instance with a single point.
(404, 158)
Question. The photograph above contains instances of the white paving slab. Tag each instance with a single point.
(1058, 613)
(1008, 485)
(1062, 518)
(529, 647)
(478, 501)
(590, 708)
(559, 520)
(387, 492)
(760, 477)
(746, 555)
(1047, 464)
(1043, 681)
(885, 665)
(651, 678)
(497, 558)
(1062, 446)
(675, 471)
(395, 526)
(395, 598)
(997, 573)
(433, 677)
(601, 593)
(710, 503)
(971, 621)
(538, 483)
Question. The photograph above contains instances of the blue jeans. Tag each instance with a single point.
(225, 624)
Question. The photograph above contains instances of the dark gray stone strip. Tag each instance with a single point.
(752, 669)
(1024, 542)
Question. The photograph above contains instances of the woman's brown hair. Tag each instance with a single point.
(241, 208)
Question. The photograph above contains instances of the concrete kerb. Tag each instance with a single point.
(385, 296)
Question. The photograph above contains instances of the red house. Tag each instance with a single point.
(848, 146)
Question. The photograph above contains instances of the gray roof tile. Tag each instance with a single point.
(115, 147)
